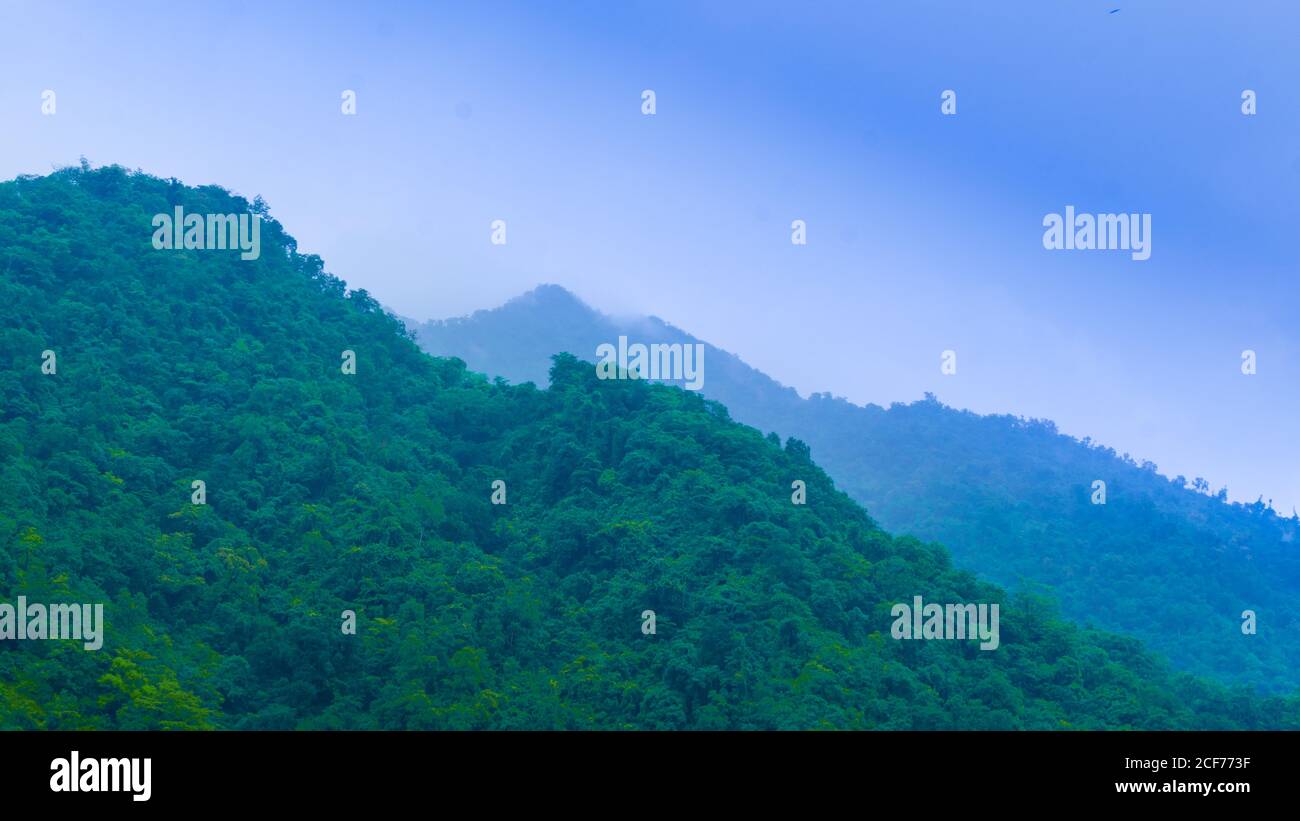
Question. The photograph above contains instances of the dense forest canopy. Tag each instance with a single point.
(1165, 560)
(328, 491)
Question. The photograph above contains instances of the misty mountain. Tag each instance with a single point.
(1011, 498)
(294, 518)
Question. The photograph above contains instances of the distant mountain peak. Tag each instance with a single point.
(549, 290)
(547, 298)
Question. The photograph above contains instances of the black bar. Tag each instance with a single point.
(331, 770)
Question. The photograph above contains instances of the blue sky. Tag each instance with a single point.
(924, 231)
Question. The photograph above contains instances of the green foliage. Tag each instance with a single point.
(1011, 498)
(1166, 561)
(328, 492)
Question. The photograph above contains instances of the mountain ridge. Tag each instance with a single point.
(369, 493)
(1019, 512)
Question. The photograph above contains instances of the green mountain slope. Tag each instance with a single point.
(1011, 498)
(328, 491)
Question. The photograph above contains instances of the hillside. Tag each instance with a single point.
(329, 491)
(1160, 561)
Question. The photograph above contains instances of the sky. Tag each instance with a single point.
(924, 230)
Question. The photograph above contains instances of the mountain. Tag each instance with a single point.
(647, 568)
(1010, 498)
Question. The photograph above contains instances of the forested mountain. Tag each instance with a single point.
(329, 491)
(1162, 560)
